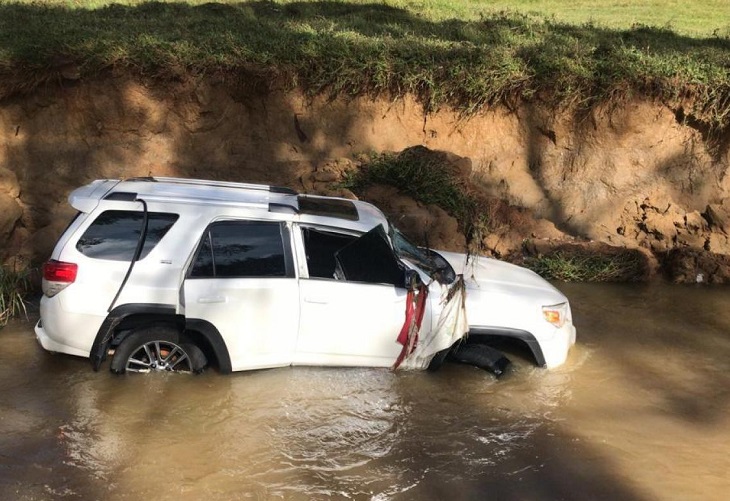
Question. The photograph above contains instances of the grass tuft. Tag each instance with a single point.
(423, 175)
(14, 286)
(588, 266)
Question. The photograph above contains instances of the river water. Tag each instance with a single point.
(639, 412)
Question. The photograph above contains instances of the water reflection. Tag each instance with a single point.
(638, 412)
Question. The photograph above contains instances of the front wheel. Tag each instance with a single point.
(157, 349)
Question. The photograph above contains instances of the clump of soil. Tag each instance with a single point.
(687, 265)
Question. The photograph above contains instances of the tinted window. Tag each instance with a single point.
(241, 249)
(429, 261)
(329, 207)
(203, 266)
(370, 259)
(115, 233)
(321, 247)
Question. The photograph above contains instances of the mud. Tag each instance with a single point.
(635, 175)
(639, 412)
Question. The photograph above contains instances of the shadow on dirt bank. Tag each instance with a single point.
(65, 136)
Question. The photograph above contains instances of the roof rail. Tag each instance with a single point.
(222, 184)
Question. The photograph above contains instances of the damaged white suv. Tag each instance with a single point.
(166, 274)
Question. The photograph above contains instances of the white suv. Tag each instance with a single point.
(168, 274)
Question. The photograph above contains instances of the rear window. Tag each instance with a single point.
(115, 233)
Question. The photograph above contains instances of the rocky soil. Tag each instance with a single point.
(637, 176)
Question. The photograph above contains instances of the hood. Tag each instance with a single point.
(483, 271)
(504, 295)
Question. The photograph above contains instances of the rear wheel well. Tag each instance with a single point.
(137, 321)
(133, 322)
(202, 342)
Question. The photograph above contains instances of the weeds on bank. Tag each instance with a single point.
(13, 288)
(425, 179)
(576, 266)
(447, 55)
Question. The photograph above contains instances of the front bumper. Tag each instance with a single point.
(550, 350)
(555, 350)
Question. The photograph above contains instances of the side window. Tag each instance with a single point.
(370, 259)
(367, 258)
(114, 234)
(320, 247)
(243, 249)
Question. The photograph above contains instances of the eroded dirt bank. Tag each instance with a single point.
(639, 176)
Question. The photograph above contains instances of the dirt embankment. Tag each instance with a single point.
(638, 176)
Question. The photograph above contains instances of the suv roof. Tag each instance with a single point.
(244, 195)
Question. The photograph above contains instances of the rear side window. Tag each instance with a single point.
(115, 233)
(243, 249)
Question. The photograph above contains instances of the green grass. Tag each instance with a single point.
(694, 18)
(420, 174)
(13, 288)
(589, 266)
(463, 54)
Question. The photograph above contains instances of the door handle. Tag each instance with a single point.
(315, 300)
(212, 299)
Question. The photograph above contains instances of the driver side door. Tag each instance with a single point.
(352, 299)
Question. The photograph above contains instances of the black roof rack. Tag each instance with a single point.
(149, 179)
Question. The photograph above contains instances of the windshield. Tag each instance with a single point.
(426, 259)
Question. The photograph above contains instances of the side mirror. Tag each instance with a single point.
(412, 279)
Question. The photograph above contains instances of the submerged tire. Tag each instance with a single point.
(438, 360)
(157, 349)
(482, 356)
(198, 360)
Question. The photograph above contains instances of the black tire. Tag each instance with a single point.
(482, 356)
(438, 360)
(198, 359)
(157, 349)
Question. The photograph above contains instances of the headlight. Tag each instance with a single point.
(556, 314)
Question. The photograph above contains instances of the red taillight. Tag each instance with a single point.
(58, 271)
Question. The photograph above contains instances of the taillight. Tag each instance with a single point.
(58, 275)
(58, 271)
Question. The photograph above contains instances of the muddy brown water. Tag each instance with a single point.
(639, 412)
